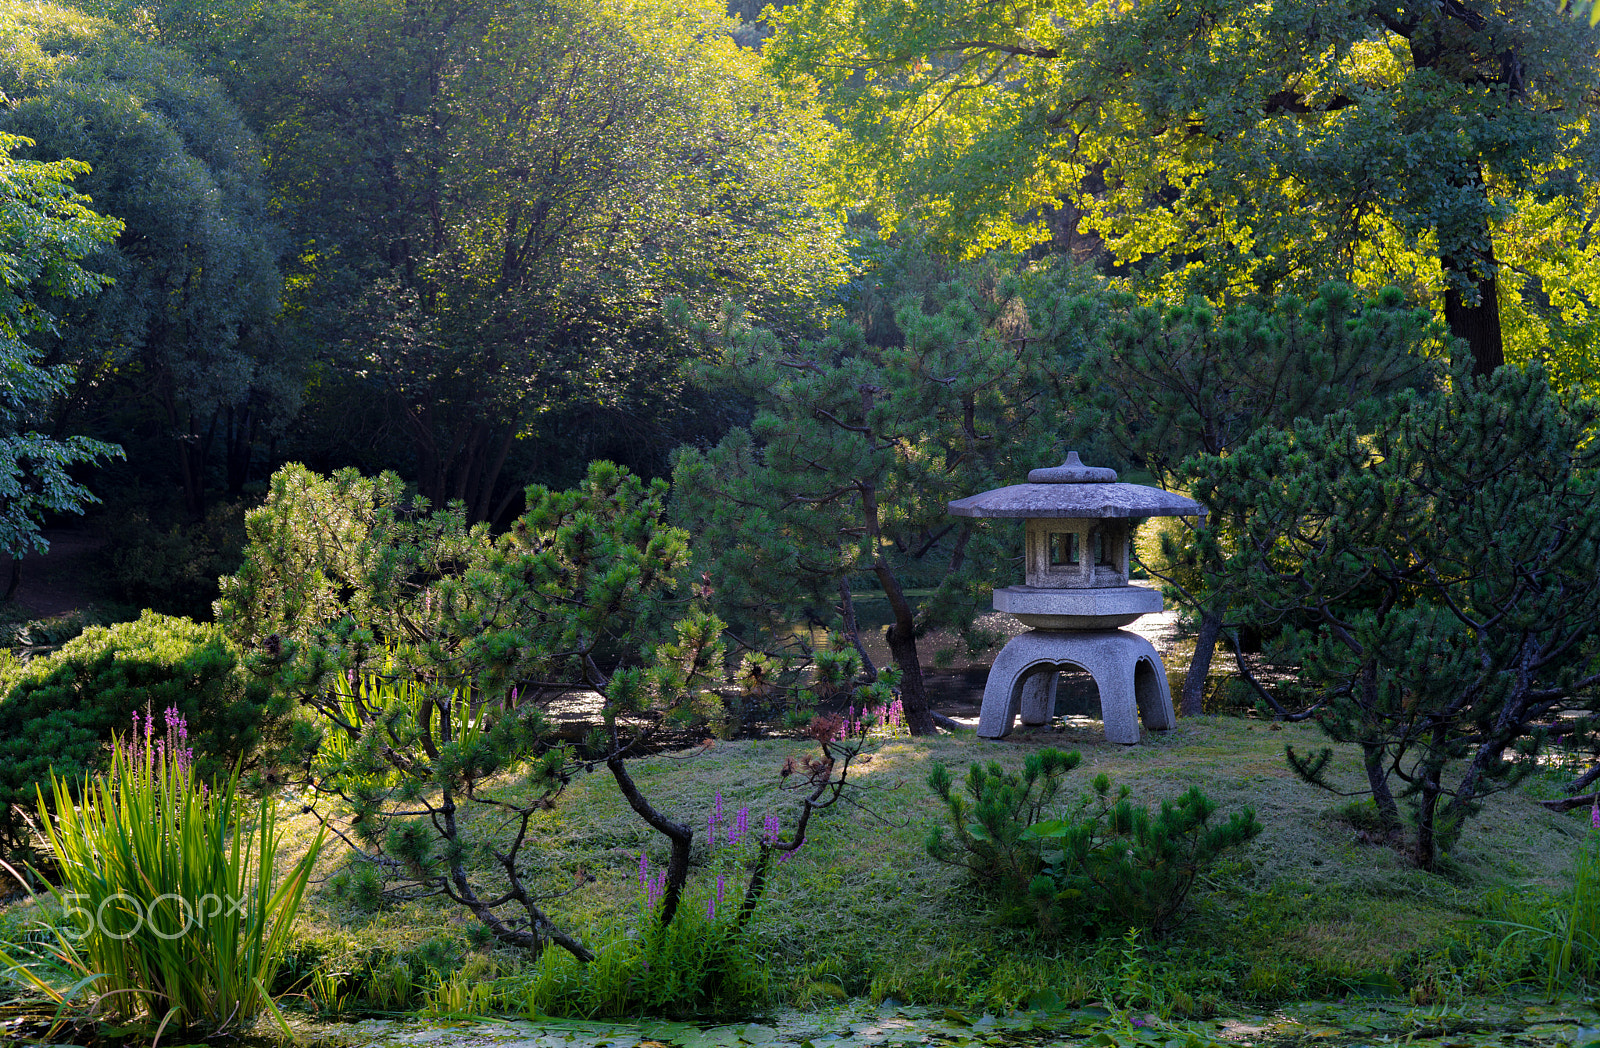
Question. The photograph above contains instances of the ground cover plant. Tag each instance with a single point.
(1309, 908)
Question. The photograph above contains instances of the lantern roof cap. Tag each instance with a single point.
(1072, 471)
(1073, 490)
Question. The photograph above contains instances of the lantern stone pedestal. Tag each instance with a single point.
(1126, 669)
(1077, 594)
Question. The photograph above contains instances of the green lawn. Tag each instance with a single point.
(1307, 909)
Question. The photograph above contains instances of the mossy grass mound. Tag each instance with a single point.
(1315, 906)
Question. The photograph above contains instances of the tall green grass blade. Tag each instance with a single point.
(170, 889)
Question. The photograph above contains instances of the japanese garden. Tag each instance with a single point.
(849, 522)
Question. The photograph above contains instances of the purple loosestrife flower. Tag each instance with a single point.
(1594, 812)
(770, 828)
(717, 810)
(722, 882)
(644, 870)
(711, 909)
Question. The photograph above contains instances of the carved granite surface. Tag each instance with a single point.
(1076, 500)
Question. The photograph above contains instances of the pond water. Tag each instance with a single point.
(1500, 1023)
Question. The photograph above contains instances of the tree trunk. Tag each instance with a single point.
(1478, 324)
(1427, 818)
(1194, 683)
(15, 580)
(1378, 783)
(240, 434)
(680, 835)
(852, 630)
(913, 695)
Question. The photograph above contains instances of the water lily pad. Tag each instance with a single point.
(1046, 1001)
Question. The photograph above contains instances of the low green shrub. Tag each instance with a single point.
(698, 965)
(58, 712)
(1104, 867)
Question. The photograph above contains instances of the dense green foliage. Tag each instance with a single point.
(173, 568)
(1226, 148)
(1164, 385)
(177, 356)
(427, 648)
(488, 205)
(857, 448)
(45, 230)
(58, 713)
(1433, 570)
(1104, 867)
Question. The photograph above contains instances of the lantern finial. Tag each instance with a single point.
(1072, 471)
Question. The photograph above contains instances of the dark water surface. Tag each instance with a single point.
(1493, 1023)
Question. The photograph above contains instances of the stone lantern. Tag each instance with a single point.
(1076, 595)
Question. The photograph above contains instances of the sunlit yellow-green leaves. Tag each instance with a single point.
(1227, 150)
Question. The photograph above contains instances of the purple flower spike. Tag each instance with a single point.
(722, 882)
(717, 810)
(1594, 813)
(711, 909)
(644, 870)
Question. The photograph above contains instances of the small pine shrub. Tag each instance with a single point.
(1105, 867)
(988, 829)
(58, 712)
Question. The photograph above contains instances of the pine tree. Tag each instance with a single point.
(1434, 574)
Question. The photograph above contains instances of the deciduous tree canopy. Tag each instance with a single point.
(45, 229)
(182, 335)
(489, 203)
(1222, 147)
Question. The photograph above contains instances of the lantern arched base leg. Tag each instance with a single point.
(1126, 669)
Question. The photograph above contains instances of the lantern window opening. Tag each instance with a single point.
(1064, 550)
